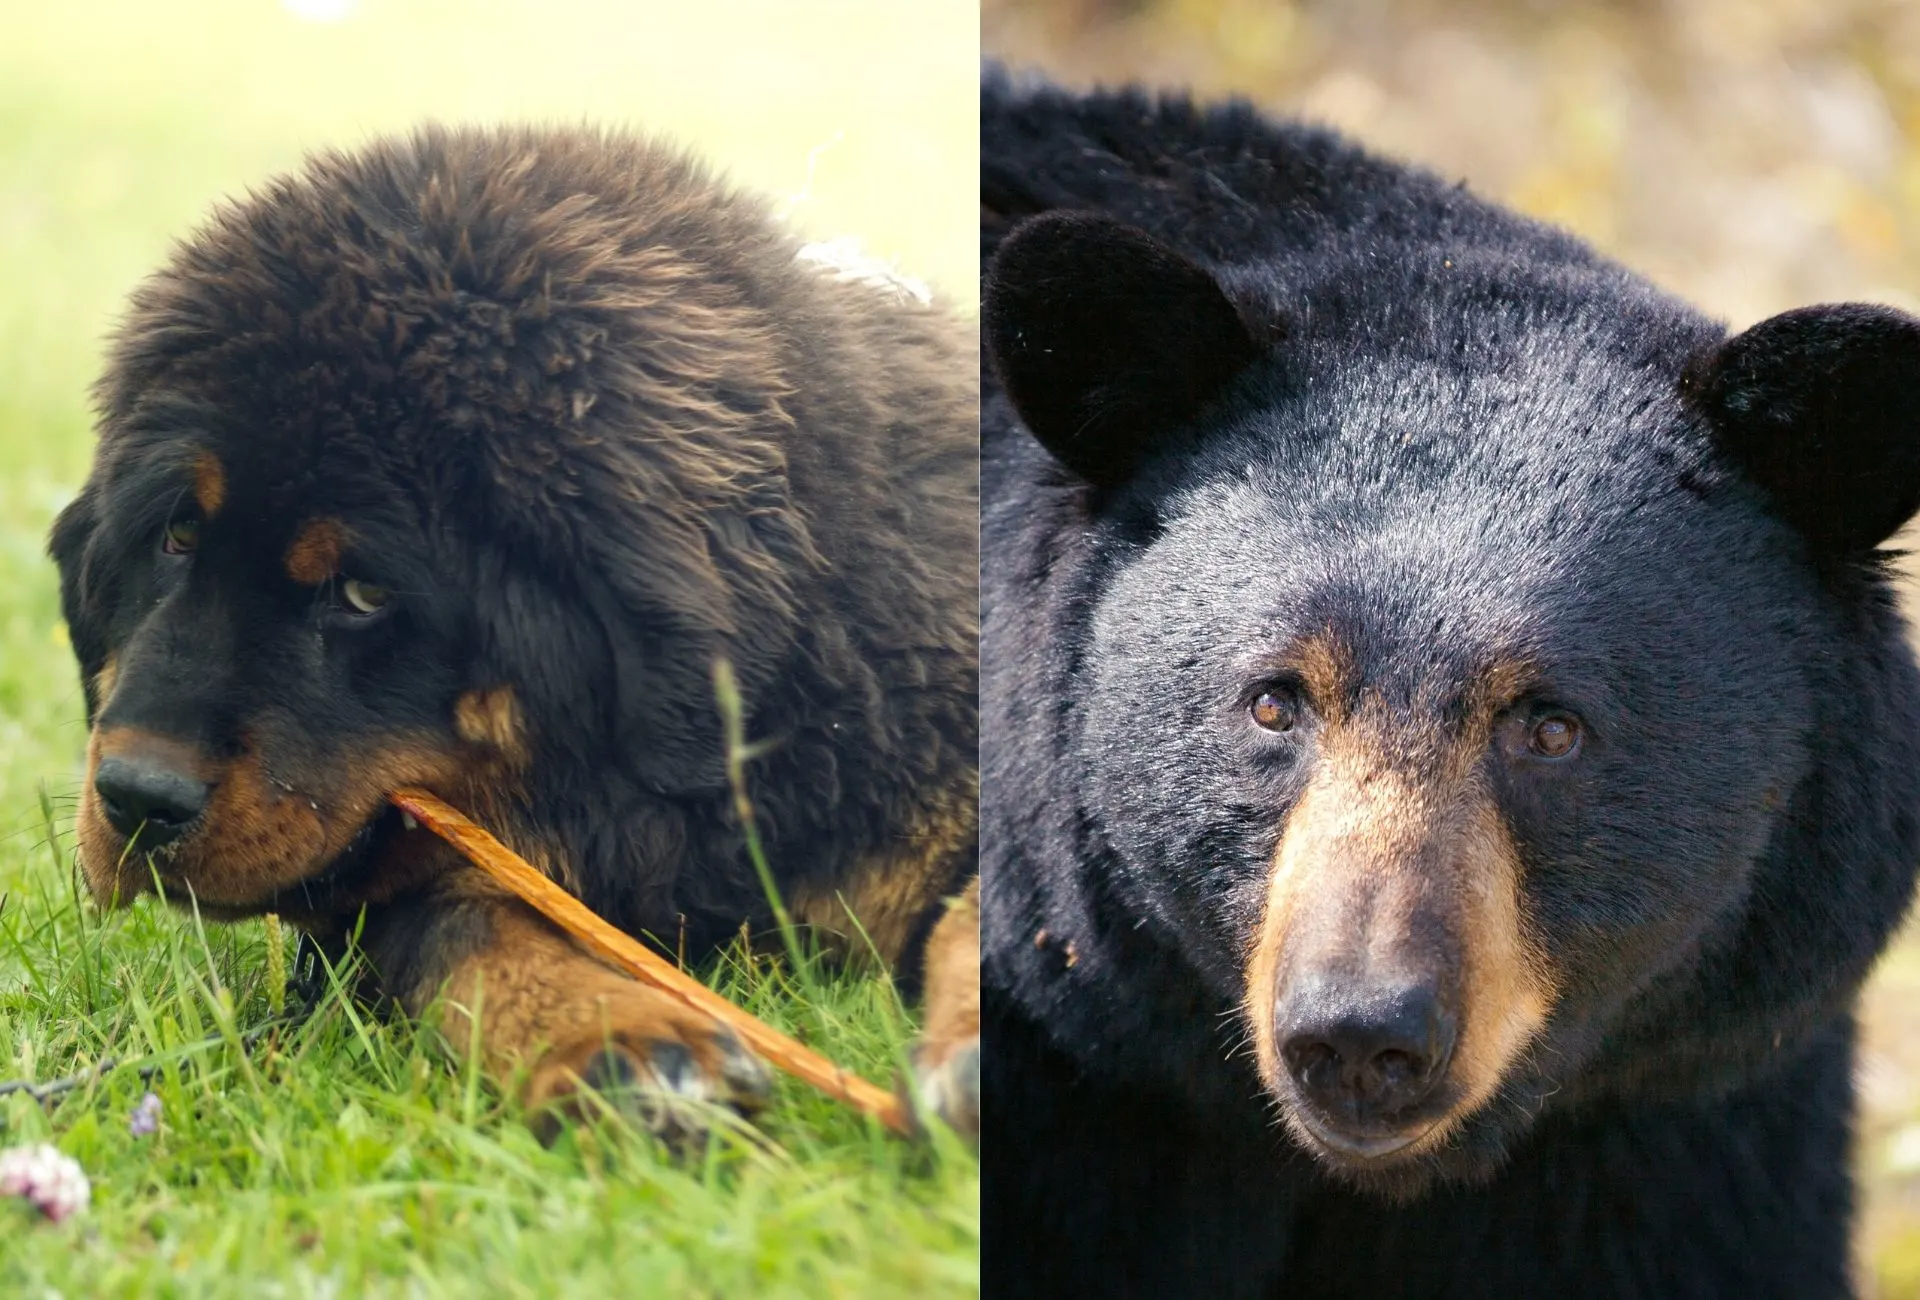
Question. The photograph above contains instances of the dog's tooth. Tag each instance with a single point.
(406, 820)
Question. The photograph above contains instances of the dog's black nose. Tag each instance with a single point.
(1365, 1055)
(135, 792)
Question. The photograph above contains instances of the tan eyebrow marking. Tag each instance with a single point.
(209, 484)
(315, 554)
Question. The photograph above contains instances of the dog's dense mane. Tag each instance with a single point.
(641, 435)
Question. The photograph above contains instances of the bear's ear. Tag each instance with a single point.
(1105, 337)
(1821, 407)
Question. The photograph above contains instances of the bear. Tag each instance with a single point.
(1450, 754)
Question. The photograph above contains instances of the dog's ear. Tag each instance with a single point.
(534, 635)
(1106, 339)
(1821, 408)
(674, 596)
(80, 603)
(592, 679)
(612, 612)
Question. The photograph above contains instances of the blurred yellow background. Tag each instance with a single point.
(1751, 155)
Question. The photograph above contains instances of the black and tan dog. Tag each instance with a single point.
(458, 462)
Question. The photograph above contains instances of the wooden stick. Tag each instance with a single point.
(623, 950)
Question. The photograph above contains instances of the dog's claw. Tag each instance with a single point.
(749, 1081)
(949, 1090)
(661, 1086)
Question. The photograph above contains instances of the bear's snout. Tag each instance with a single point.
(1394, 981)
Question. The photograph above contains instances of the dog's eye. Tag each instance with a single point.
(182, 536)
(363, 597)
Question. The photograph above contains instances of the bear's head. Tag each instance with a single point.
(1487, 682)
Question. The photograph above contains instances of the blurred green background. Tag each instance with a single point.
(1752, 155)
(312, 1173)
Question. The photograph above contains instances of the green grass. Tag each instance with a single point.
(350, 1156)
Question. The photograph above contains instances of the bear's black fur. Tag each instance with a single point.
(1593, 568)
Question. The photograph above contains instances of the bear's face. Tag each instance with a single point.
(1435, 701)
(1455, 726)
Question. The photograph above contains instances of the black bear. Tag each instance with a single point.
(1450, 755)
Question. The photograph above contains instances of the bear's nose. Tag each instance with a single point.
(136, 792)
(1364, 1055)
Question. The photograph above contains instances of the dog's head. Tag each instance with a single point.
(450, 463)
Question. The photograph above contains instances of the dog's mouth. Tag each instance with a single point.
(333, 886)
(346, 877)
(249, 834)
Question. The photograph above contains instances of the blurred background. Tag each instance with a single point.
(1751, 155)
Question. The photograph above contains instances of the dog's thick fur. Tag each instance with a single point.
(577, 412)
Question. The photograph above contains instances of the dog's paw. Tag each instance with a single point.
(946, 1064)
(667, 1070)
(946, 1084)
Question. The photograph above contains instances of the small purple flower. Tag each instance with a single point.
(145, 1120)
(54, 1182)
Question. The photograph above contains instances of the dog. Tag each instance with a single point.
(459, 462)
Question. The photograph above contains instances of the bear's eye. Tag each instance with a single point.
(1275, 710)
(180, 537)
(1555, 736)
(363, 598)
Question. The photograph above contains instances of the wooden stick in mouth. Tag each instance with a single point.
(629, 954)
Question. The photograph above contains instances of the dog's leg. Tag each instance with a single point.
(554, 1016)
(947, 1060)
(883, 905)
